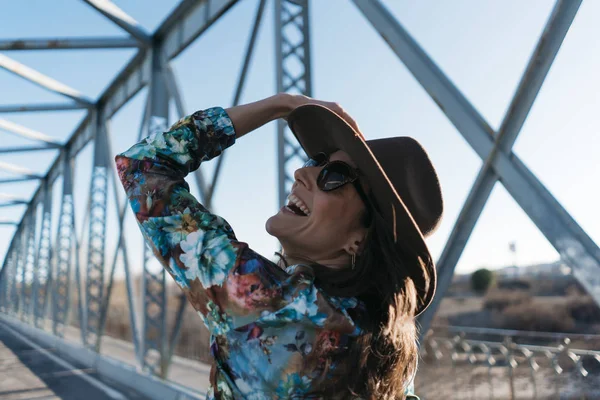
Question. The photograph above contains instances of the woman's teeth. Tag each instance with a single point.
(298, 203)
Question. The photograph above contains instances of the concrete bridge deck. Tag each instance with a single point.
(30, 371)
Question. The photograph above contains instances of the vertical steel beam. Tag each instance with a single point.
(154, 335)
(61, 283)
(291, 17)
(44, 256)
(29, 265)
(94, 283)
(19, 276)
(11, 280)
(8, 276)
(121, 246)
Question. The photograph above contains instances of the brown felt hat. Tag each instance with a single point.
(402, 179)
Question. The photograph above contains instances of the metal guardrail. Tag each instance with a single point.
(537, 365)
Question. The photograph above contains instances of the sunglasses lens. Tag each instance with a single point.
(333, 176)
(316, 161)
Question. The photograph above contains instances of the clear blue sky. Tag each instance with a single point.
(482, 46)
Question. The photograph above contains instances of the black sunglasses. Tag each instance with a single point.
(336, 174)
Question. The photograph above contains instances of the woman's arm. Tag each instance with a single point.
(225, 281)
(248, 117)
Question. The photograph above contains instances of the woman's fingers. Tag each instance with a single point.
(333, 106)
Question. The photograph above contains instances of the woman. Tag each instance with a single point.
(336, 320)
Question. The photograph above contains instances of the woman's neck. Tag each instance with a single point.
(339, 261)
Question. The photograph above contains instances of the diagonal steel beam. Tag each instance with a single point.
(12, 197)
(17, 108)
(26, 132)
(561, 230)
(11, 200)
(188, 21)
(41, 80)
(25, 149)
(68, 43)
(539, 64)
(14, 180)
(239, 90)
(14, 203)
(136, 74)
(175, 94)
(122, 19)
(15, 169)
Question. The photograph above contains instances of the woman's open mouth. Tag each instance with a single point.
(297, 206)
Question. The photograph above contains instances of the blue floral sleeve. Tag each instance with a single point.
(274, 334)
(225, 281)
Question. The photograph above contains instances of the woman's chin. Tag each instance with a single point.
(280, 225)
(272, 225)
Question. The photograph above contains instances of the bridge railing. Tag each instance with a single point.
(478, 363)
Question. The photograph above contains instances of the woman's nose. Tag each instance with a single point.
(305, 177)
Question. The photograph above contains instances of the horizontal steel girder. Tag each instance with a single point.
(18, 108)
(68, 43)
(25, 149)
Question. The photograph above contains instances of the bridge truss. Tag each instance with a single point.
(40, 272)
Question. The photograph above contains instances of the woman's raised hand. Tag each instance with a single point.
(300, 100)
(248, 117)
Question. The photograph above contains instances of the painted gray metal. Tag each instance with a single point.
(15, 169)
(539, 64)
(23, 149)
(238, 93)
(291, 16)
(154, 328)
(61, 282)
(68, 43)
(94, 288)
(42, 80)
(550, 217)
(28, 267)
(27, 133)
(19, 108)
(44, 260)
(120, 18)
(122, 248)
(31, 274)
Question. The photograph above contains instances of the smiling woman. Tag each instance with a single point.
(336, 321)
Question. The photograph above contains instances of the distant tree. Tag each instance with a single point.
(481, 280)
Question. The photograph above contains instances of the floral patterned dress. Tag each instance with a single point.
(273, 333)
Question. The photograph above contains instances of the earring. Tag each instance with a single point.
(353, 260)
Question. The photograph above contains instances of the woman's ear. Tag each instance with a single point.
(355, 242)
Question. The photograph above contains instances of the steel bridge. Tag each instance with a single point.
(56, 283)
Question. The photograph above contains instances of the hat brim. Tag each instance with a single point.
(319, 129)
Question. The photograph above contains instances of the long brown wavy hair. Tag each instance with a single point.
(381, 363)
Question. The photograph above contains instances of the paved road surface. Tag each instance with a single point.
(28, 371)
